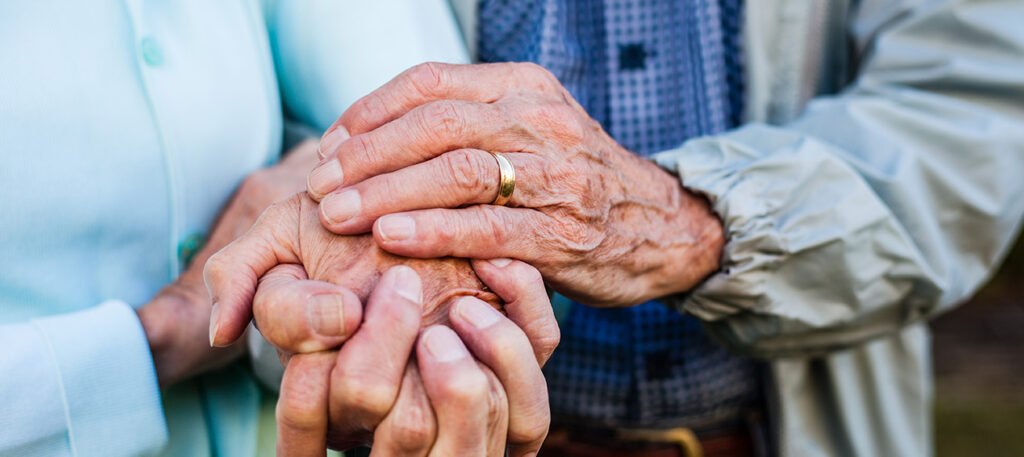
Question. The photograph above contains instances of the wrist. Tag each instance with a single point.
(699, 240)
(175, 323)
(161, 336)
(709, 235)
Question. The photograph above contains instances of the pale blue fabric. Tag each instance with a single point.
(124, 127)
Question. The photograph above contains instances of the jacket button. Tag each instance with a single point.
(151, 52)
(189, 247)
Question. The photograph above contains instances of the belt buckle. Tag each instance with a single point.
(682, 437)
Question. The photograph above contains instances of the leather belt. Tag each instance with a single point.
(676, 442)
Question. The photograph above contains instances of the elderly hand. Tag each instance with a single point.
(176, 320)
(602, 225)
(447, 403)
(290, 232)
(333, 276)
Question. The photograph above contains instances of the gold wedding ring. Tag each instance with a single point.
(506, 179)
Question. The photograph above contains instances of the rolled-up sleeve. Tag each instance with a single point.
(878, 207)
(79, 384)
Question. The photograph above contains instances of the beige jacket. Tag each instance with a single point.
(879, 182)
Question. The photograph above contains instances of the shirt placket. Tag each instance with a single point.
(151, 59)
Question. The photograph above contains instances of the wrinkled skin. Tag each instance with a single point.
(363, 383)
(356, 263)
(447, 403)
(602, 225)
(176, 320)
(290, 233)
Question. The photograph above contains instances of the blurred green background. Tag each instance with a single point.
(979, 369)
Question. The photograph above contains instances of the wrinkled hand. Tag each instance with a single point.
(177, 319)
(364, 383)
(440, 402)
(290, 232)
(601, 224)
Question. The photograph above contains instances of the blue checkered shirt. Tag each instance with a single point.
(653, 73)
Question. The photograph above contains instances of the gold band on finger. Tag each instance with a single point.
(506, 179)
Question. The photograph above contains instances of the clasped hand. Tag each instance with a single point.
(601, 225)
(465, 384)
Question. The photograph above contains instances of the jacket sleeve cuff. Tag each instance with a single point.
(795, 216)
(111, 396)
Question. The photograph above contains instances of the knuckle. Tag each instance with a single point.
(215, 269)
(363, 395)
(364, 150)
(534, 72)
(561, 120)
(372, 106)
(442, 119)
(576, 235)
(574, 179)
(527, 277)
(466, 388)
(427, 78)
(497, 223)
(275, 214)
(445, 234)
(467, 169)
(414, 429)
(444, 231)
(294, 418)
(299, 409)
(529, 431)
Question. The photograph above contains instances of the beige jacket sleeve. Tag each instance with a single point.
(880, 206)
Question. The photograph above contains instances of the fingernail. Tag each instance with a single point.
(396, 227)
(476, 312)
(407, 284)
(324, 178)
(442, 343)
(330, 142)
(338, 208)
(325, 314)
(500, 262)
(214, 322)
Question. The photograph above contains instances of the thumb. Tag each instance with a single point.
(231, 274)
(300, 315)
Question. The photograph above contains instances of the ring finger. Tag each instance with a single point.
(423, 133)
(457, 178)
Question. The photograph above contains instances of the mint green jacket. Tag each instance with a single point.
(125, 125)
(878, 182)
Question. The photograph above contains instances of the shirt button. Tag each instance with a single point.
(189, 247)
(151, 52)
